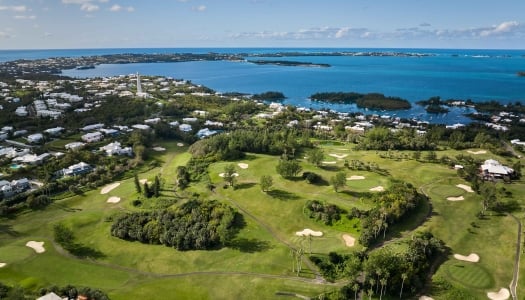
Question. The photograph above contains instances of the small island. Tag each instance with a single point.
(269, 96)
(288, 63)
(521, 73)
(434, 105)
(371, 100)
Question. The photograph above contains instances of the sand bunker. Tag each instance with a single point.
(477, 152)
(426, 298)
(338, 156)
(113, 199)
(2, 265)
(243, 165)
(377, 189)
(355, 177)
(465, 187)
(349, 240)
(460, 198)
(37, 246)
(473, 257)
(234, 174)
(180, 144)
(159, 149)
(329, 162)
(503, 294)
(307, 232)
(108, 188)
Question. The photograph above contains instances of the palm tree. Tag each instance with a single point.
(404, 277)
(370, 292)
(383, 284)
(355, 288)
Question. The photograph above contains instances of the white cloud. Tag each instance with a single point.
(199, 8)
(130, 9)
(504, 27)
(17, 8)
(21, 17)
(115, 7)
(4, 35)
(75, 1)
(89, 7)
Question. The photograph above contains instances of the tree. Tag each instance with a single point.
(138, 188)
(316, 156)
(338, 181)
(288, 168)
(230, 174)
(431, 156)
(156, 186)
(404, 277)
(266, 182)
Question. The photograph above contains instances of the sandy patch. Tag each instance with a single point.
(142, 181)
(503, 294)
(329, 162)
(426, 298)
(180, 144)
(460, 198)
(159, 149)
(349, 240)
(243, 165)
(2, 265)
(37, 246)
(465, 187)
(355, 177)
(109, 187)
(477, 152)
(234, 174)
(307, 232)
(377, 189)
(472, 257)
(338, 156)
(113, 199)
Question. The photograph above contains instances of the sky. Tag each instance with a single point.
(77, 24)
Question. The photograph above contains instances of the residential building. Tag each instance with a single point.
(92, 137)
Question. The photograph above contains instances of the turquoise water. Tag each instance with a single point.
(479, 75)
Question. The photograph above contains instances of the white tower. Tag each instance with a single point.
(139, 86)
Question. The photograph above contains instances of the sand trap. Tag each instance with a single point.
(234, 174)
(477, 152)
(2, 265)
(329, 162)
(37, 246)
(426, 298)
(355, 177)
(349, 240)
(307, 232)
(108, 188)
(377, 189)
(180, 144)
(460, 198)
(473, 257)
(338, 156)
(465, 187)
(159, 149)
(501, 295)
(243, 165)
(113, 199)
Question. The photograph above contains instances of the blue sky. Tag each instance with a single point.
(48, 24)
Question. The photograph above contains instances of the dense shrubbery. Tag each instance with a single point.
(372, 100)
(320, 211)
(196, 225)
(383, 272)
(67, 292)
(390, 207)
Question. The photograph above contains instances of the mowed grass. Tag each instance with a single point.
(241, 270)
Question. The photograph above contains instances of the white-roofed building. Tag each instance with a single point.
(491, 169)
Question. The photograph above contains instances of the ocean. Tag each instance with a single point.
(479, 75)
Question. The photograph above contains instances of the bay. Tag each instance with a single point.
(479, 75)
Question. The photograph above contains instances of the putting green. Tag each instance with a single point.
(470, 275)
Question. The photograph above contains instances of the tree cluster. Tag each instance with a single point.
(322, 211)
(195, 225)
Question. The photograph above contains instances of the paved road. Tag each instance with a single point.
(515, 274)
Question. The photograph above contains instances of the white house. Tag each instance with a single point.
(92, 137)
(494, 169)
(54, 131)
(76, 169)
(74, 145)
(92, 127)
(116, 149)
(35, 138)
(185, 127)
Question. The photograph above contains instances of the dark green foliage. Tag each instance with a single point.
(196, 225)
(288, 168)
(312, 178)
(382, 138)
(138, 188)
(266, 182)
(322, 211)
(338, 180)
(66, 238)
(390, 207)
(371, 100)
(315, 156)
(271, 96)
